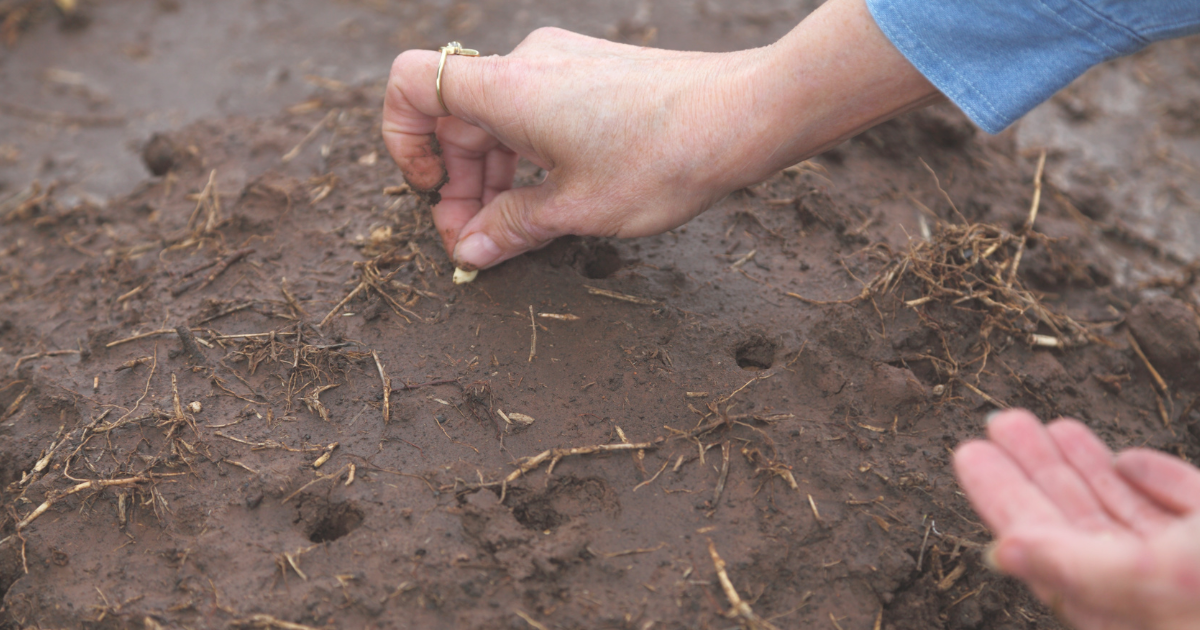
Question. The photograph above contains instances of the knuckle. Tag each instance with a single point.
(527, 224)
(475, 85)
(518, 228)
(405, 63)
(565, 216)
(543, 35)
(547, 32)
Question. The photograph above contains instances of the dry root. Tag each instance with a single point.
(739, 609)
(977, 263)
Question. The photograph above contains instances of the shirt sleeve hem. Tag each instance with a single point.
(936, 68)
(997, 61)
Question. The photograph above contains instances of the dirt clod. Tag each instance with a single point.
(1168, 331)
(158, 155)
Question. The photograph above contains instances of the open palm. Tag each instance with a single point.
(1108, 542)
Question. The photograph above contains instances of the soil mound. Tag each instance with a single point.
(247, 393)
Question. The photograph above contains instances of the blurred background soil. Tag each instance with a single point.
(211, 274)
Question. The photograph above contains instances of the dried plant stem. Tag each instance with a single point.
(1137, 349)
(314, 481)
(937, 182)
(533, 340)
(387, 388)
(371, 279)
(1033, 212)
(739, 609)
(152, 333)
(620, 296)
(267, 621)
(52, 497)
(291, 155)
(527, 464)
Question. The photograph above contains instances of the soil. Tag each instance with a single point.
(245, 393)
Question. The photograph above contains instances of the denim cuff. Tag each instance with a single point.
(999, 59)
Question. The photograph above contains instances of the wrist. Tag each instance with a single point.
(833, 76)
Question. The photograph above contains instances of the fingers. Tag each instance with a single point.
(1058, 504)
(511, 224)
(499, 169)
(1000, 491)
(476, 163)
(410, 118)
(1087, 577)
(411, 110)
(1111, 579)
(1170, 481)
(461, 165)
(473, 184)
(1094, 463)
(1026, 441)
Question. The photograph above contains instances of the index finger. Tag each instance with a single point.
(410, 114)
(1000, 491)
(1094, 461)
(478, 167)
(1030, 446)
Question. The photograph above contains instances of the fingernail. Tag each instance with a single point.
(989, 557)
(991, 415)
(477, 250)
(1009, 558)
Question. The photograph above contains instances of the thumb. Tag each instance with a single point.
(1172, 482)
(510, 225)
(1102, 572)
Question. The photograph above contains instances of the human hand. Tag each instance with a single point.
(1108, 542)
(635, 141)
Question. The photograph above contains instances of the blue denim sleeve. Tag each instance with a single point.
(997, 59)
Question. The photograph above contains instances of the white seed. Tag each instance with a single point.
(194, 406)
(515, 417)
(521, 418)
(1045, 341)
(462, 276)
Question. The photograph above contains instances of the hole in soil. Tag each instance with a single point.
(564, 498)
(755, 353)
(600, 261)
(10, 571)
(12, 462)
(537, 514)
(334, 522)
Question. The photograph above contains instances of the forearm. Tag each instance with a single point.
(833, 76)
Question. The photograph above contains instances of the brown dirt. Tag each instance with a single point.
(730, 381)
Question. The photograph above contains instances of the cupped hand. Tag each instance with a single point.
(1108, 542)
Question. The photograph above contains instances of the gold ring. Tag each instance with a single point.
(453, 48)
